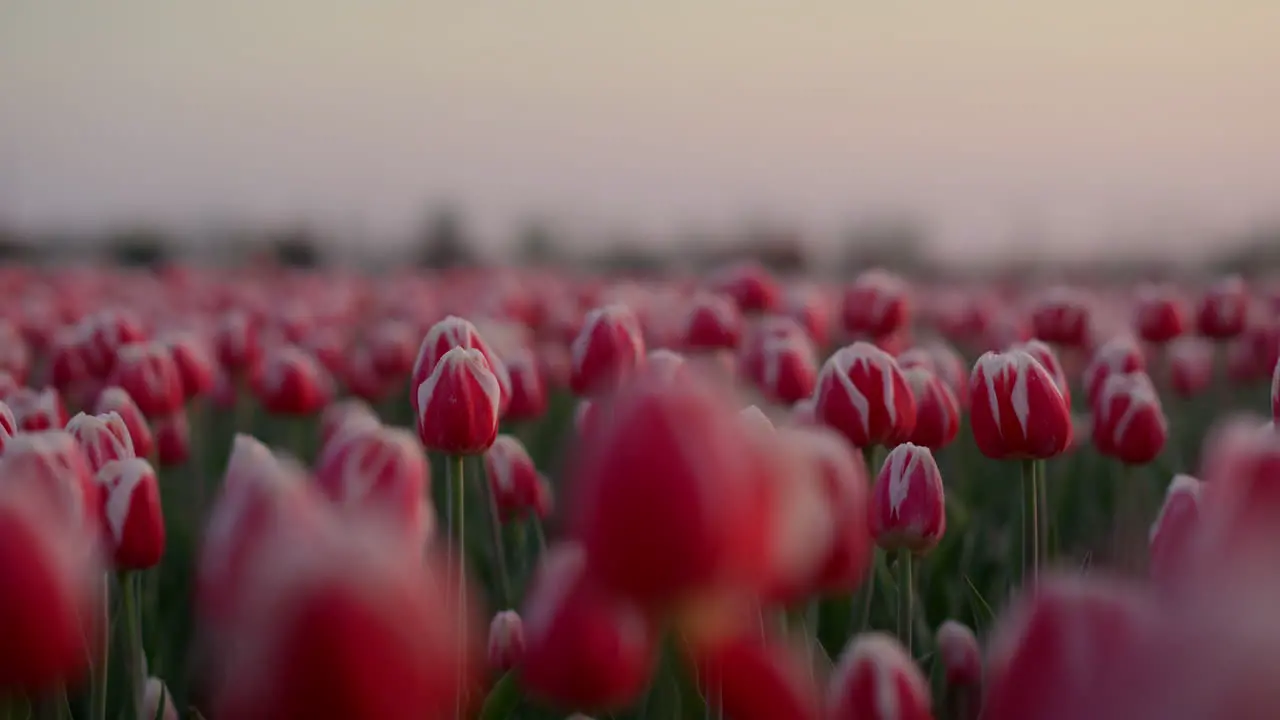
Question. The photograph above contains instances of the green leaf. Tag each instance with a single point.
(503, 699)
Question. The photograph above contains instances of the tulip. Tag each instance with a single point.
(194, 362)
(36, 411)
(1190, 366)
(749, 677)
(116, 400)
(876, 679)
(132, 513)
(517, 486)
(712, 322)
(778, 358)
(843, 479)
(1045, 355)
(750, 285)
(584, 647)
(148, 373)
(1159, 314)
(942, 360)
(289, 381)
(52, 464)
(1128, 422)
(236, 342)
(937, 410)
(876, 305)
(105, 334)
(459, 404)
(153, 695)
(1121, 354)
(455, 332)
(343, 416)
(173, 439)
(528, 389)
(607, 351)
(1061, 317)
(811, 308)
(1223, 308)
(962, 664)
(391, 346)
(381, 470)
(862, 393)
(103, 438)
(8, 425)
(506, 641)
(1174, 529)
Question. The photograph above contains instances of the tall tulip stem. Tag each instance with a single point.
(135, 675)
(499, 544)
(457, 520)
(1042, 508)
(906, 599)
(1030, 524)
(98, 696)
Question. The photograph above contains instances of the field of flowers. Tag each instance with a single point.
(278, 495)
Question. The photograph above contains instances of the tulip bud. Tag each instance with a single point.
(942, 360)
(381, 470)
(1275, 394)
(346, 415)
(908, 506)
(446, 335)
(506, 641)
(1118, 355)
(103, 438)
(937, 411)
(528, 391)
(584, 647)
(1017, 410)
(779, 359)
(194, 362)
(1128, 422)
(1223, 309)
(712, 322)
(290, 381)
(152, 696)
(962, 662)
(133, 514)
(749, 677)
(811, 309)
(1159, 314)
(876, 679)
(8, 425)
(106, 333)
(1174, 528)
(1061, 317)
(862, 393)
(392, 344)
(116, 400)
(148, 373)
(517, 486)
(876, 305)
(236, 342)
(1044, 354)
(1190, 365)
(750, 285)
(36, 411)
(54, 465)
(459, 404)
(173, 439)
(607, 351)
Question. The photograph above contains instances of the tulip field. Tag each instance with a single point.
(496, 494)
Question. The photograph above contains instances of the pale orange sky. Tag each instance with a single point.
(1159, 118)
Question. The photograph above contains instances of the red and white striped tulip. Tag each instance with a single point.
(459, 404)
(1223, 309)
(52, 462)
(842, 477)
(290, 381)
(381, 470)
(518, 488)
(1128, 421)
(1174, 529)
(173, 439)
(1017, 411)
(1160, 315)
(1190, 366)
(37, 410)
(1119, 355)
(876, 305)
(446, 335)
(876, 679)
(528, 387)
(908, 503)
(148, 373)
(132, 513)
(937, 410)
(778, 357)
(962, 665)
(942, 360)
(861, 392)
(116, 400)
(607, 351)
(341, 416)
(506, 641)
(711, 322)
(1045, 355)
(750, 677)
(103, 438)
(1062, 317)
(750, 285)
(195, 363)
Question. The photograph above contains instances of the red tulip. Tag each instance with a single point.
(1044, 354)
(54, 465)
(152, 695)
(506, 641)
(862, 393)
(584, 648)
(173, 439)
(961, 657)
(1223, 309)
(942, 360)
(712, 322)
(103, 438)
(290, 381)
(148, 373)
(842, 478)
(455, 332)
(607, 351)
(1174, 529)
(810, 308)
(195, 364)
(1121, 354)
(937, 410)
(528, 390)
(671, 455)
(876, 305)
(116, 400)
(69, 369)
(36, 411)
(391, 346)
(517, 486)
(1190, 366)
(104, 334)
(1017, 410)
(876, 679)
(347, 623)
(8, 385)
(50, 607)
(133, 516)
(749, 677)
(8, 425)
(750, 285)
(666, 365)
(1275, 394)
(908, 503)
(1128, 422)
(236, 342)
(459, 404)
(381, 470)
(1061, 317)
(1159, 314)
(348, 414)
(779, 359)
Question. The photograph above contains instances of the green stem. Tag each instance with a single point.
(906, 600)
(499, 547)
(1030, 525)
(98, 697)
(1042, 508)
(868, 593)
(133, 643)
(503, 699)
(457, 532)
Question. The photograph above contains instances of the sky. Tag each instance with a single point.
(997, 123)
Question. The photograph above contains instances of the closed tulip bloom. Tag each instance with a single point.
(195, 363)
(908, 504)
(51, 606)
(584, 647)
(69, 369)
(843, 478)
(1223, 309)
(942, 360)
(53, 464)
(862, 393)
(378, 469)
(392, 344)
(812, 309)
(712, 322)
(38, 410)
(345, 415)
(528, 389)
(1159, 314)
(672, 455)
(105, 333)
(236, 342)
(1190, 366)
(290, 381)
(1128, 422)
(779, 359)
(802, 518)
(876, 679)
(961, 657)
(749, 284)
(518, 488)
(103, 438)
(1044, 354)
(608, 350)
(1061, 317)
(116, 400)
(8, 385)
(1174, 529)
(133, 515)
(459, 404)
(8, 425)
(1017, 411)
(937, 410)
(1119, 355)
(173, 439)
(876, 305)
(749, 677)
(346, 622)
(1275, 394)
(148, 373)
(455, 332)
(506, 641)
(154, 693)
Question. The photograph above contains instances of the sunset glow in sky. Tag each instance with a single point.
(988, 118)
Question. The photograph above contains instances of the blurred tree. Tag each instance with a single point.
(536, 245)
(1256, 252)
(13, 247)
(892, 243)
(444, 241)
(139, 246)
(297, 246)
